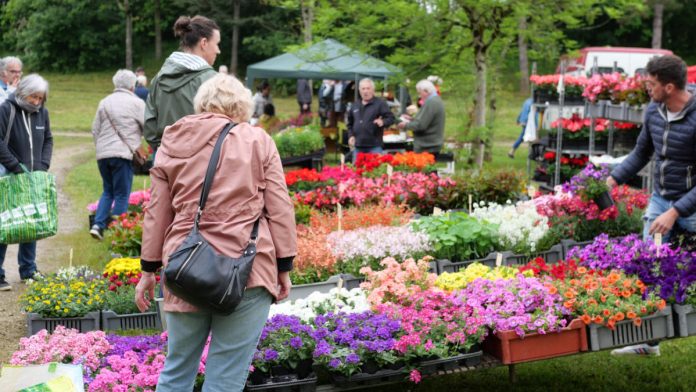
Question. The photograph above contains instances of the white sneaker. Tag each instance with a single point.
(638, 349)
(96, 232)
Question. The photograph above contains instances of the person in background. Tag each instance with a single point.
(172, 90)
(429, 124)
(668, 135)
(30, 147)
(10, 74)
(522, 122)
(140, 71)
(117, 130)
(223, 70)
(367, 120)
(249, 185)
(325, 96)
(261, 99)
(304, 96)
(141, 87)
(339, 107)
(268, 120)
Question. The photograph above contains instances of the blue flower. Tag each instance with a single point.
(352, 358)
(296, 342)
(335, 363)
(270, 355)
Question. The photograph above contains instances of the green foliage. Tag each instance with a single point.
(121, 300)
(72, 35)
(496, 186)
(298, 141)
(302, 214)
(125, 234)
(457, 236)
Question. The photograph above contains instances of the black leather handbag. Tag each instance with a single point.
(200, 276)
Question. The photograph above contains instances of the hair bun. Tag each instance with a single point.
(182, 26)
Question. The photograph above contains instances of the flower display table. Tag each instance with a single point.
(308, 384)
(509, 348)
(445, 364)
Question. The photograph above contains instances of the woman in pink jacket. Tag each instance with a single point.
(249, 183)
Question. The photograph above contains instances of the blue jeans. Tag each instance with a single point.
(26, 259)
(374, 150)
(519, 140)
(117, 179)
(232, 345)
(659, 205)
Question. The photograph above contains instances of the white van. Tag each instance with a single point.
(628, 60)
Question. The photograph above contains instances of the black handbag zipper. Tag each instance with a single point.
(229, 286)
(195, 249)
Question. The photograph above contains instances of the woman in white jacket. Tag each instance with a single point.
(117, 130)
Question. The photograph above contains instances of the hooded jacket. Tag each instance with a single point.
(674, 145)
(31, 147)
(172, 92)
(249, 183)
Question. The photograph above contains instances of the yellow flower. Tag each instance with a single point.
(66, 310)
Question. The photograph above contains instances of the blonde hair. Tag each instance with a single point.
(224, 94)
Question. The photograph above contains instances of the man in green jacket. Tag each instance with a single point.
(429, 124)
(172, 90)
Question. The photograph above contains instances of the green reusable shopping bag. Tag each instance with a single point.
(28, 207)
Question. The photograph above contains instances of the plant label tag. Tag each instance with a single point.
(471, 198)
(498, 259)
(390, 171)
(658, 242)
(531, 191)
(343, 161)
(340, 284)
(437, 211)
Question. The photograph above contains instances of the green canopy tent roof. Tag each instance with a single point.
(328, 59)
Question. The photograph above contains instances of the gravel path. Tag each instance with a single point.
(50, 253)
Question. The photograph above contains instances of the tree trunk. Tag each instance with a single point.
(158, 31)
(235, 37)
(659, 9)
(129, 35)
(480, 105)
(307, 11)
(524, 58)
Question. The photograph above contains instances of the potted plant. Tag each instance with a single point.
(527, 319)
(68, 298)
(284, 351)
(458, 237)
(125, 234)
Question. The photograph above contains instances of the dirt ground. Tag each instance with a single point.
(12, 321)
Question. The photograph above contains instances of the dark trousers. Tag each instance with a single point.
(26, 259)
(117, 179)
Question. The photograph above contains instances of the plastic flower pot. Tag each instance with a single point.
(384, 376)
(112, 321)
(304, 290)
(307, 385)
(685, 320)
(509, 348)
(89, 322)
(657, 326)
(604, 201)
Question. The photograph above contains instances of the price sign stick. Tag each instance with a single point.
(340, 215)
(658, 242)
(343, 161)
(470, 203)
(498, 259)
(390, 171)
(71, 258)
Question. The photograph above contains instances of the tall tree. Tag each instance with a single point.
(658, 13)
(234, 60)
(523, 54)
(124, 5)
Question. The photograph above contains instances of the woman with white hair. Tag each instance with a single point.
(25, 144)
(428, 125)
(248, 187)
(117, 129)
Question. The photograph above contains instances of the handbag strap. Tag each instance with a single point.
(9, 125)
(210, 175)
(106, 112)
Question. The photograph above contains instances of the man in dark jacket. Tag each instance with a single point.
(669, 132)
(367, 119)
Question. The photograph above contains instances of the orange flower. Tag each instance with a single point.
(627, 283)
(637, 321)
(611, 323)
(582, 270)
(569, 294)
(603, 298)
(598, 320)
(640, 284)
(568, 305)
(591, 301)
(626, 293)
(553, 290)
(643, 310)
(631, 314)
(619, 316)
(613, 277)
(606, 312)
(586, 319)
(661, 305)
(594, 285)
